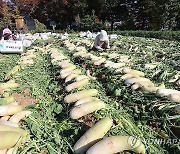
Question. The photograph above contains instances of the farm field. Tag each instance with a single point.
(132, 90)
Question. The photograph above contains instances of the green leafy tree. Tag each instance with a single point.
(172, 14)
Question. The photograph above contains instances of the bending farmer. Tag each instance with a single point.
(101, 41)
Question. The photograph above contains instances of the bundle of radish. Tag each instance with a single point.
(115, 144)
(80, 95)
(86, 108)
(93, 135)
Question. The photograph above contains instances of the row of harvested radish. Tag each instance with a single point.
(133, 77)
(11, 113)
(86, 103)
(70, 73)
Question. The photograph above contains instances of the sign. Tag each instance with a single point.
(9, 46)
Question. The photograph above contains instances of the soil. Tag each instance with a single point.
(24, 98)
(89, 121)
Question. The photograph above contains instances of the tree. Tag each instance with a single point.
(172, 14)
(26, 6)
(6, 20)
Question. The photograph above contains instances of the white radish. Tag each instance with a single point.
(9, 123)
(93, 135)
(86, 108)
(71, 77)
(3, 151)
(177, 109)
(89, 75)
(19, 116)
(81, 77)
(11, 128)
(117, 65)
(130, 71)
(135, 86)
(85, 100)
(6, 110)
(175, 97)
(99, 62)
(166, 92)
(128, 76)
(80, 95)
(71, 68)
(151, 89)
(12, 150)
(65, 65)
(64, 75)
(77, 84)
(115, 144)
(135, 80)
(5, 118)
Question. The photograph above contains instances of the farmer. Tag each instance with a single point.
(101, 41)
(7, 34)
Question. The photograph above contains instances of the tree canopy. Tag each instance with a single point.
(132, 14)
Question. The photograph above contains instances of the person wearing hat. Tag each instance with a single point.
(7, 34)
(101, 41)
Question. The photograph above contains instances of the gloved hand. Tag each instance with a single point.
(99, 48)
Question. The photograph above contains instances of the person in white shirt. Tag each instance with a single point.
(101, 41)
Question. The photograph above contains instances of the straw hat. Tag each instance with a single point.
(103, 36)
